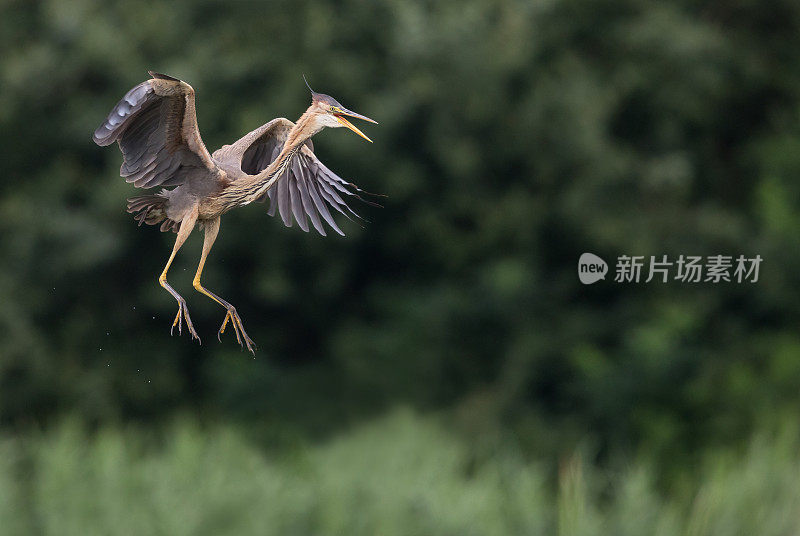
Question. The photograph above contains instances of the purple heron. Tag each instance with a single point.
(156, 128)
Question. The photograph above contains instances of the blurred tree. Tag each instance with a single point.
(514, 136)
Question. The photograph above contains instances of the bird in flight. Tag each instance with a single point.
(156, 128)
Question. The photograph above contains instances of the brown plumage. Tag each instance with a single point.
(156, 128)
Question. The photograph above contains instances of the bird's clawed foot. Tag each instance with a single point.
(238, 328)
(183, 314)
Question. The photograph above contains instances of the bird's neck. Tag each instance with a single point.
(304, 128)
(252, 188)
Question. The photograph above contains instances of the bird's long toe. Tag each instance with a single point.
(238, 328)
(181, 317)
(237, 322)
(228, 316)
(178, 320)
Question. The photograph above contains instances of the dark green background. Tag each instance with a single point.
(513, 137)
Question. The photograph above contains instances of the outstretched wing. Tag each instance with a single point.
(308, 190)
(156, 128)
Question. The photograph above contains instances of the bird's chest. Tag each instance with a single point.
(208, 208)
(188, 198)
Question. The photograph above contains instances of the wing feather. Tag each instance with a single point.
(284, 202)
(321, 207)
(156, 128)
(332, 202)
(308, 205)
(297, 202)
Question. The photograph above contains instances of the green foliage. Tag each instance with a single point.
(513, 137)
(400, 475)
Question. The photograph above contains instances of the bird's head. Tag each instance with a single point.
(330, 113)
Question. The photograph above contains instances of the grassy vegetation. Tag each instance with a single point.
(401, 475)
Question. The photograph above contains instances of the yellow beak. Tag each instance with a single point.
(340, 117)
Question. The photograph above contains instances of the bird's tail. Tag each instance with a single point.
(152, 210)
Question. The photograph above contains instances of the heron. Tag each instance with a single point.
(155, 126)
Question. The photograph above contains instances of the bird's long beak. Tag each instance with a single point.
(340, 117)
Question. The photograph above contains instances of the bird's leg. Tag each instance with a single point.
(183, 313)
(211, 230)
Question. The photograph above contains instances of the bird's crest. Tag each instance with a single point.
(321, 97)
(308, 85)
(314, 95)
